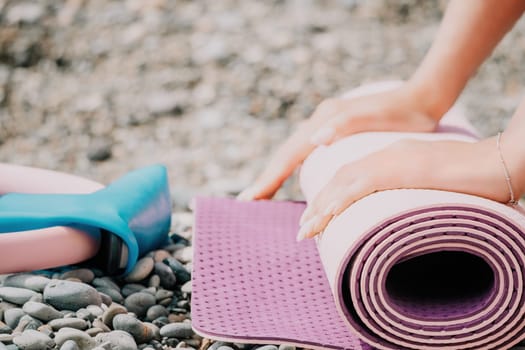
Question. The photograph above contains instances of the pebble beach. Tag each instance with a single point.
(207, 88)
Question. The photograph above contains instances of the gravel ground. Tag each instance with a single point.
(208, 88)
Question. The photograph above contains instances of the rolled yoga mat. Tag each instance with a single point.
(399, 269)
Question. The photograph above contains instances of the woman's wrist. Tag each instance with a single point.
(432, 99)
(511, 150)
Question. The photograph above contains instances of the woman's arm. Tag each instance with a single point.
(469, 32)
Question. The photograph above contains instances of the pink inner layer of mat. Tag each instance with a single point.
(245, 292)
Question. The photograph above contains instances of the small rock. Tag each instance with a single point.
(184, 255)
(155, 312)
(95, 310)
(70, 322)
(3, 347)
(267, 347)
(167, 277)
(25, 12)
(105, 282)
(160, 255)
(154, 281)
(186, 288)
(67, 295)
(34, 282)
(139, 303)
(113, 294)
(33, 340)
(27, 322)
(106, 299)
(84, 275)
(180, 330)
(225, 347)
(5, 329)
(140, 332)
(41, 311)
(113, 310)
(100, 150)
(131, 288)
(93, 331)
(12, 316)
(99, 324)
(16, 295)
(179, 270)
(120, 340)
(286, 347)
(69, 345)
(161, 102)
(83, 340)
(141, 270)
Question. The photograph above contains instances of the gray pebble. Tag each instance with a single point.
(25, 13)
(84, 275)
(154, 281)
(105, 282)
(225, 347)
(41, 311)
(99, 324)
(95, 310)
(267, 347)
(34, 282)
(33, 340)
(69, 345)
(27, 322)
(155, 312)
(113, 310)
(85, 314)
(140, 332)
(141, 270)
(6, 338)
(106, 299)
(186, 288)
(37, 298)
(113, 294)
(162, 294)
(93, 331)
(5, 329)
(139, 303)
(12, 316)
(131, 288)
(286, 347)
(179, 330)
(71, 322)
(179, 270)
(120, 340)
(100, 149)
(2, 346)
(167, 277)
(83, 340)
(16, 295)
(67, 295)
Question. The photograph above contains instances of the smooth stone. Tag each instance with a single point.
(67, 295)
(154, 281)
(155, 312)
(106, 299)
(140, 332)
(167, 277)
(131, 288)
(85, 314)
(13, 316)
(33, 340)
(84, 275)
(6, 338)
(113, 310)
(160, 255)
(286, 347)
(38, 298)
(27, 322)
(99, 324)
(186, 287)
(106, 282)
(100, 149)
(93, 331)
(69, 345)
(179, 270)
(180, 330)
(41, 311)
(120, 340)
(114, 294)
(139, 303)
(2, 346)
(46, 329)
(16, 295)
(70, 322)
(225, 347)
(141, 270)
(34, 282)
(162, 294)
(184, 255)
(267, 347)
(95, 310)
(155, 330)
(82, 339)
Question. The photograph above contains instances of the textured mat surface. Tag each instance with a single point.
(399, 269)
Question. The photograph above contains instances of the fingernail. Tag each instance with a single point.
(305, 214)
(322, 136)
(248, 194)
(307, 228)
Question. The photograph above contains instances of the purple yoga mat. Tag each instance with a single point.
(399, 269)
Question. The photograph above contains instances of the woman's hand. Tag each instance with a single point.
(400, 109)
(472, 168)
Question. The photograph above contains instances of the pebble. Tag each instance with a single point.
(106, 299)
(67, 295)
(180, 330)
(166, 275)
(140, 332)
(13, 316)
(155, 312)
(25, 12)
(225, 347)
(2, 346)
(82, 339)
(5, 329)
(286, 347)
(113, 310)
(184, 255)
(139, 303)
(141, 270)
(186, 288)
(267, 347)
(95, 310)
(33, 340)
(161, 102)
(119, 340)
(179, 270)
(100, 150)
(99, 324)
(113, 294)
(6, 338)
(131, 288)
(69, 345)
(16, 295)
(105, 282)
(84, 275)
(154, 281)
(34, 282)
(41, 311)
(27, 322)
(70, 322)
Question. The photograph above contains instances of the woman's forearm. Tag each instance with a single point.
(513, 149)
(468, 33)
